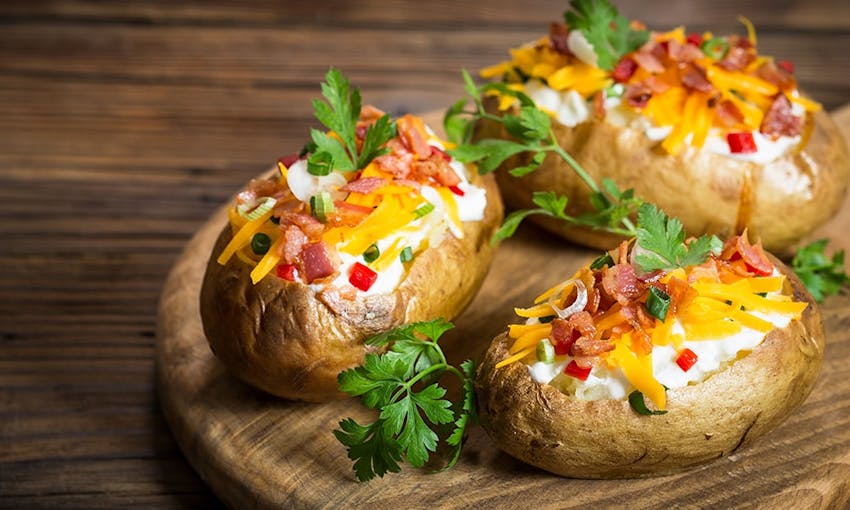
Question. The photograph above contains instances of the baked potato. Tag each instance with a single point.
(310, 266)
(701, 125)
(608, 389)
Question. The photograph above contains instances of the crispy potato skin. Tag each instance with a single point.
(707, 192)
(606, 439)
(285, 339)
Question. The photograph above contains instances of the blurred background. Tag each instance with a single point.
(124, 125)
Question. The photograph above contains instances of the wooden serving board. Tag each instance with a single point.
(257, 451)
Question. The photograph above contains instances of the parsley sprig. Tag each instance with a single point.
(821, 275)
(531, 130)
(403, 384)
(661, 242)
(339, 112)
(609, 32)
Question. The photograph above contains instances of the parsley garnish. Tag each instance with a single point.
(403, 385)
(609, 32)
(661, 242)
(339, 113)
(822, 276)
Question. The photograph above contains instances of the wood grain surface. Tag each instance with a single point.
(125, 125)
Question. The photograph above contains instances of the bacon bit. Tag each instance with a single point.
(637, 94)
(415, 137)
(437, 170)
(624, 70)
(589, 346)
(398, 161)
(648, 61)
(558, 33)
(623, 253)
(694, 78)
(369, 114)
(775, 75)
(436, 151)
(728, 114)
(779, 121)
(739, 247)
(681, 294)
(289, 160)
(307, 223)
(620, 282)
(346, 214)
(656, 85)
(364, 185)
(316, 262)
(256, 188)
(736, 59)
(561, 336)
(294, 242)
(410, 183)
(593, 294)
(679, 52)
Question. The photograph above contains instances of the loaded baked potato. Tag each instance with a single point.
(311, 265)
(701, 125)
(618, 372)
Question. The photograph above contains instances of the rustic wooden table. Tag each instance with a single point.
(126, 124)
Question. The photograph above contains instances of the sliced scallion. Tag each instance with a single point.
(406, 255)
(636, 400)
(260, 243)
(716, 47)
(322, 205)
(545, 351)
(657, 303)
(321, 163)
(423, 210)
(602, 261)
(372, 253)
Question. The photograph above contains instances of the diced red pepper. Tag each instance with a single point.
(695, 39)
(786, 65)
(741, 143)
(289, 160)
(362, 277)
(624, 70)
(573, 370)
(457, 191)
(286, 272)
(687, 358)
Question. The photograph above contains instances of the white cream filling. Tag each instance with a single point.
(571, 109)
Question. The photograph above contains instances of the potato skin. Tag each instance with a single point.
(539, 425)
(707, 192)
(285, 339)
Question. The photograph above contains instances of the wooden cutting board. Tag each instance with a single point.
(257, 451)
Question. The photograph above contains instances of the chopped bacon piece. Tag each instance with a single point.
(624, 70)
(679, 52)
(708, 270)
(558, 33)
(566, 332)
(436, 169)
(737, 58)
(599, 105)
(348, 215)
(590, 346)
(753, 255)
(593, 294)
(681, 294)
(369, 114)
(415, 137)
(779, 120)
(656, 85)
(728, 114)
(316, 262)
(648, 61)
(620, 282)
(398, 161)
(776, 75)
(364, 185)
(637, 94)
(694, 78)
(308, 224)
(256, 188)
(294, 242)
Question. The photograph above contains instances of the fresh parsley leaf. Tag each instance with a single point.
(609, 32)
(457, 126)
(821, 275)
(339, 112)
(495, 152)
(533, 165)
(402, 385)
(550, 204)
(661, 242)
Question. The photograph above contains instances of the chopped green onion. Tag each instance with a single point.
(657, 303)
(423, 210)
(547, 319)
(260, 243)
(602, 261)
(636, 400)
(320, 164)
(716, 47)
(322, 205)
(253, 212)
(372, 253)
(615, 90)
(545, 351)
(406, 255)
